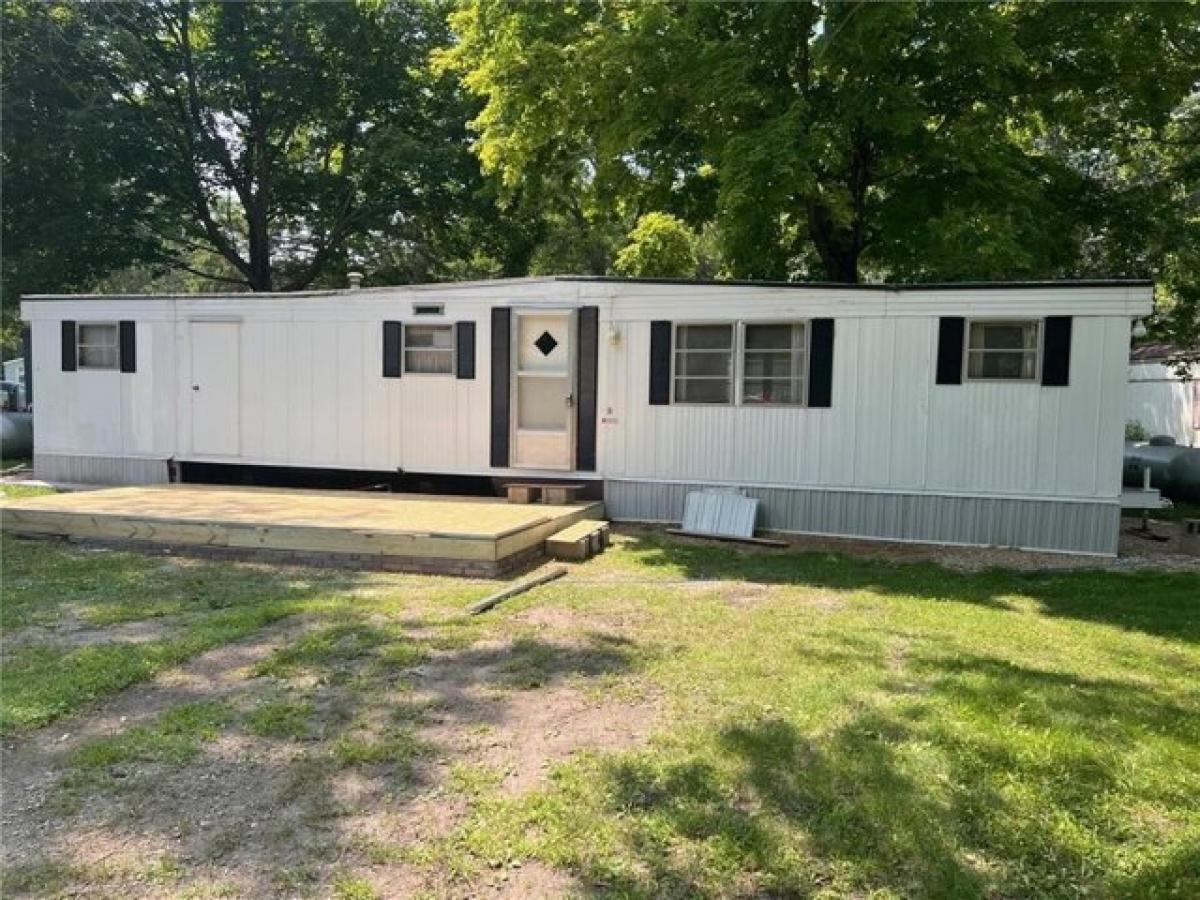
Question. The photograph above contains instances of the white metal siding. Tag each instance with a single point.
(313, 393)
(890, 426)
(105, 412)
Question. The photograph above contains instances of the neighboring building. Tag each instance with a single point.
(14, 370)
(1164, 392)
(965, 413)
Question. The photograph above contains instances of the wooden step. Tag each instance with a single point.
(553, 494)
(577, 542)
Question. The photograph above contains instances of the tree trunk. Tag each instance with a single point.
(836, 245)
(841, 245)
(260, 248)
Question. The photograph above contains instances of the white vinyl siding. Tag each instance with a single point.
(1003, 351)
(429, 349)
(313, 396)
(889, 428)
(97, 345)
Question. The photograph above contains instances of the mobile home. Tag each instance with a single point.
(987, 414)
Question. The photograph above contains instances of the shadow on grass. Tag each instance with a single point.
(55, 586)
(1166, 604)
(953, 792)
(337, 735)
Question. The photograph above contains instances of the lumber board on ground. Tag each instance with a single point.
(759, 541)
(514, 589)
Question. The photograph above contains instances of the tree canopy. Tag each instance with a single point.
(254, 144)
(660, 246)
(264, 146)
(850, 140)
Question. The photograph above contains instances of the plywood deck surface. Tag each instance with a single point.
(315, 521)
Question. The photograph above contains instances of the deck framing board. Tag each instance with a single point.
(256, 531)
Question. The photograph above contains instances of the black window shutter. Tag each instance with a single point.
(660, 363)
(585, 406)
(128, 346)
(391, 349)
(69, 363)
(820, 366)
(950, 349)
(464, 350)
(501, 348)
(1056, 346)
(27, 352)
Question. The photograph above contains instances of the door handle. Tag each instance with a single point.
(570, 399)
(195, 387)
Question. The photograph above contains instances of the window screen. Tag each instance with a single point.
(97, 345)
(429, 349)
(773, 363)
(704, 363)
(1003, 351)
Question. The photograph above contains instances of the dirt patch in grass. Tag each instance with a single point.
(744, 594)
(521, 708)
(35, 763)
(333, 763)
(73, 632)
(530, 879)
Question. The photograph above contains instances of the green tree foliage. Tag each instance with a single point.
(660, 246)
(1116, 89)
(843, 140)
(192, 143)
(258, 145)
(69, 215)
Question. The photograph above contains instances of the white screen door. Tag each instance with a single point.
(216, 388)
(543, 406)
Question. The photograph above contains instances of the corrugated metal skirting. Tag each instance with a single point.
(724, 512)
(64, 468)
(1075, 527)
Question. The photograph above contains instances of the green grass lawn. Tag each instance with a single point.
(14, 463)
(902, 730)
(828, 726)
(17, 489)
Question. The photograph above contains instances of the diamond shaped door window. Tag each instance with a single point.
(546, 343)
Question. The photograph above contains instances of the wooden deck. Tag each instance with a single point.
(408, 532)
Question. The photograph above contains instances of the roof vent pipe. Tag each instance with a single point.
(355, 280)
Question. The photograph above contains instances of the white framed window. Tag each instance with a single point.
(429, 349)
(96, 345)
(703, 363)
(1003, 350)
(774, 363)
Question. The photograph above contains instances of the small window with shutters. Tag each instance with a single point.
(1003, 350)
(429, 349)
(774, 361)
(704, 363)
(742, 363)
(97, 345)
